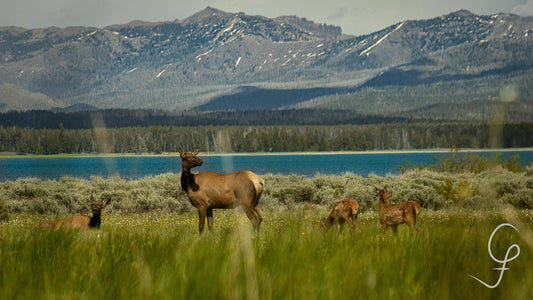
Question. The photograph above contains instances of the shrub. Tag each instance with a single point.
(507, 186)
(466, 162)
(513, 164)
(290, 189)
(365, 195)
(456, 192)
(325, 196)
(523, 199)
(529, 170)
(432, 189)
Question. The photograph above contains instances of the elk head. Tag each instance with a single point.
(384, 194)
(190, 160)
(97, 206)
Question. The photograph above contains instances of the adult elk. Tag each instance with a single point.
(82, 222)
(394, 215)
(209, 190)
(343, 211)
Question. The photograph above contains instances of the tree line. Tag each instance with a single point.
(113, 118)
(273, 138)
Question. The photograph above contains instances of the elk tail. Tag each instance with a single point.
(259, 183)
(417, 208)
(355, 211)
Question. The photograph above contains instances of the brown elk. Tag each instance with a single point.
(82, 222)
(209, 190)
(394, 215)
(343, 211)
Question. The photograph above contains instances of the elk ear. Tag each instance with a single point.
(92, 198)
(106, 200)
(195, 152)
(181, 153)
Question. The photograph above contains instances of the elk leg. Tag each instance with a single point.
(395, 229)
(210, 218)
(258, 216)
(352, 222)
(348, 220)
(383, 228)
(412, 224)
(201, 217)
(254, 218)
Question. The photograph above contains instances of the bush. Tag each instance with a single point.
(522, 199)
(432, 189)
(529, 170)
(365, 195)
(466, 162)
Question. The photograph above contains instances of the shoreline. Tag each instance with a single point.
(175, 154)
(440, 150)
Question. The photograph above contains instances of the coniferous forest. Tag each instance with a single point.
(271, 138)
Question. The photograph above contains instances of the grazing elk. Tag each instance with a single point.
(82, 222)
(343, 211)
(394, 215)
(209, 190)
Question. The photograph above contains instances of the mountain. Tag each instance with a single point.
(15, 98)
(80, 107)
(215, 60)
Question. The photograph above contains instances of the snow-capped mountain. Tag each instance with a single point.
(195, 62)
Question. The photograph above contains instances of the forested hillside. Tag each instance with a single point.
(157, 139)
(479, 99)
(113, 118)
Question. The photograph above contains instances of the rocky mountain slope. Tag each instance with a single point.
(205, 60)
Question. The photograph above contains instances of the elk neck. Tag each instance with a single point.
(96, 220)
(187, 180)
(382, 200)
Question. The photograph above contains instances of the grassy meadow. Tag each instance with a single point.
(162, 256)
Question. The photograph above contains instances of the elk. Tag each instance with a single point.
(209, 190)
(343, 211)
(394, 215)
(82, 222)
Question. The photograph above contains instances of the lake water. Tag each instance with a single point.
(134, 167)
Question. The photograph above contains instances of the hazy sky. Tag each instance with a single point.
(354, 16)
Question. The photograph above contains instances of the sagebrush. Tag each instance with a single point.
(162, 193)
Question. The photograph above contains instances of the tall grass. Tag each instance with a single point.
(140, 256)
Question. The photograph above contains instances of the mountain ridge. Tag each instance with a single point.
(190, 63)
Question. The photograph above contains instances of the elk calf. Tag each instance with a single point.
(208, 190)
(82, 222)
(394, 215)
(343, 211)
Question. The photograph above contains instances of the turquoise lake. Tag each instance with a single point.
(134, 167)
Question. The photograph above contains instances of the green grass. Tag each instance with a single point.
(162, 256)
